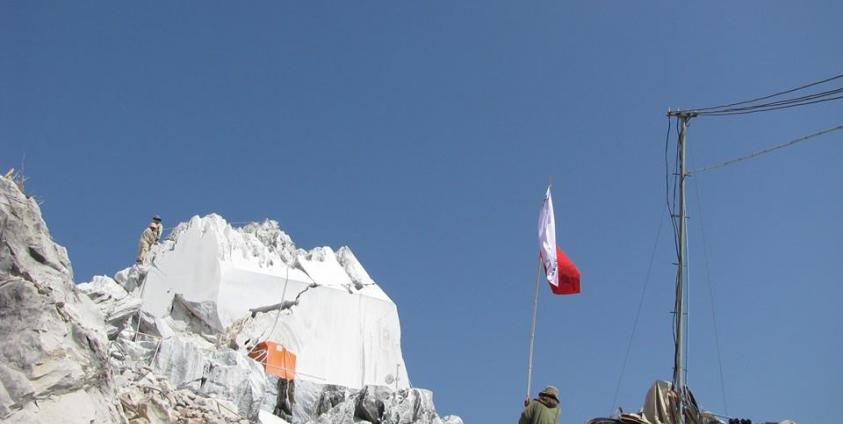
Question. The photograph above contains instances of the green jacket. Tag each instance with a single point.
(544, 410)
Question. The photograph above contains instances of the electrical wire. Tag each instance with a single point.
(767, 150)
(678, 180)
(767, 108)
(667, 187)
(802, 87)
(790, 100)
(804, 98)
(673, 219)
(736, 108)
(753, 105)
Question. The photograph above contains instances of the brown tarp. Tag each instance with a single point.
(661, 406)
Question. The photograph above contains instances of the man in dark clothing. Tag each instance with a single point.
(544, 410)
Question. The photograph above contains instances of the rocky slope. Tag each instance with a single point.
(142, 347)
(54, 355)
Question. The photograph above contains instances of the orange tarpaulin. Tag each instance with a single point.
(276, 359)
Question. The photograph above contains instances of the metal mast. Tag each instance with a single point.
(533, 332)
(679, 370)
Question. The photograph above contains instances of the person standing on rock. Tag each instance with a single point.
(150, 236)
(544, 410)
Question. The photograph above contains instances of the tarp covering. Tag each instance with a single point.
(276, 359)
(661, 406)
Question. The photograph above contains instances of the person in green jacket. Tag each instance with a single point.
(544, 410)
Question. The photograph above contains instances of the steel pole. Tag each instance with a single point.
(533, 332)
(679, 357)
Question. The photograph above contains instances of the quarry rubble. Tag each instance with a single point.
(169, 341)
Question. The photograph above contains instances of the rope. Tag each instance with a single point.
(283, 294)
(711, 297)
(765, 151)
(264, 334)
(637, 313)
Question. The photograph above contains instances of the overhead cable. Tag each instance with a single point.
(802, 87)
(667, 186)
(754, 105)
(767, 150)
(784, 104)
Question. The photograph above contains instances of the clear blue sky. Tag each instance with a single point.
(423, 133)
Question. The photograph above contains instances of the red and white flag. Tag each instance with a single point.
(562, 275)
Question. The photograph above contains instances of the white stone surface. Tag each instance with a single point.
(218, 372)
(53, 356)
(267, 418)
(83, 406)
(189, 364)
(344, 331)
(112, 300)
(149, 398)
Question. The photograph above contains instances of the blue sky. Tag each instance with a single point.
(422, 134)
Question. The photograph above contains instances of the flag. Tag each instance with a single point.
(568, 281)
(547, 239)
(560, 272)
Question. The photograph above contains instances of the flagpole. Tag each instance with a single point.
(533, 331)
(533, 322)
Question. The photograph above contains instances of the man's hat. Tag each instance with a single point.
(156, 218)
(550, 391)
